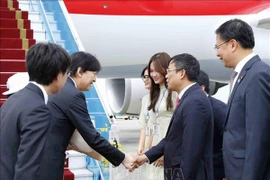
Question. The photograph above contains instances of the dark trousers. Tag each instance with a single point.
(219, 173)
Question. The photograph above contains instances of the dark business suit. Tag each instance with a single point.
(69, 111)
(219, 111)
(25, 121)
(246, 136)
(187, 147)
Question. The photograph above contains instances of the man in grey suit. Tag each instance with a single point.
(187, 146)
(25, 118)
(246, 144)
(219, 113)
(70, 112)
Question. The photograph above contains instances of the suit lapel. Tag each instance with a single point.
(240, 78)
(195, 86)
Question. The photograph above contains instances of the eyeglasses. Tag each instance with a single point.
(145, 77)
(171, 70)
(218, 46)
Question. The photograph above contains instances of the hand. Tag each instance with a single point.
(72, 147)
(159, 162)
(128, 162)
(140, 160)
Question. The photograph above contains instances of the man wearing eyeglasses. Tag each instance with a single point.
(246, 144)
(187, 146)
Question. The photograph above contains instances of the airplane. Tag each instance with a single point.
(124, 34)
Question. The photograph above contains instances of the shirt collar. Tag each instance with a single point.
(184, 90)
(73, 82)
(43, 91)
(243, 62)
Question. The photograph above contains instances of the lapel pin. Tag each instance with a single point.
(239, 79)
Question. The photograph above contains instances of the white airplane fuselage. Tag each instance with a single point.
(124, 42)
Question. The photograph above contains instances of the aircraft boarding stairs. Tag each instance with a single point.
(46, 21)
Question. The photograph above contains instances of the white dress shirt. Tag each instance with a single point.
(240, 66)
(42, 89)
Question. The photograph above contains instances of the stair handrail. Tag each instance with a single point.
(31, 7)
(46, 22)
(71, 26)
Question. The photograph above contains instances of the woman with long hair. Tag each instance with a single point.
(161, 107)
(144, 119)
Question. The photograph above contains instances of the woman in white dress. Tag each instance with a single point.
(144, 119)
(161, 108)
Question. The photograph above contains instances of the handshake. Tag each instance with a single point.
(133, 162)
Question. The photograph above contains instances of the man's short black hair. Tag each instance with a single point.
(44, 61)
(189, 63)
(85, 60)
(238, 30)
(203, 79)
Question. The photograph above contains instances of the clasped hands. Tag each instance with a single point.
(132, 162)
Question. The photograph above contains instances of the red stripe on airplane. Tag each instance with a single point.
(165, 7)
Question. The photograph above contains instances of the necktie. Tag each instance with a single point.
(234, 74)
(177, 101)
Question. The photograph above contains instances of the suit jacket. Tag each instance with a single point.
(219, 113)
(69, 111)
(25, 121)
(187, 147)
(246, 135)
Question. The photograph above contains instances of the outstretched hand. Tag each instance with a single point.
(128, 162)
(140, 160)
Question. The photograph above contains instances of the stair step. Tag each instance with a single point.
(82, 174)
(40, 35)
(12, 43)
(5, 4)
(28, 6)
(76, 160)
(16, 33)
(8, 65)
(14, 23)
(12, 54)
(34, 16)
(37, 24)
(3, 89)
(4, 76)
(50, 16)
(13, 14)
(53, 25)
(57, 35)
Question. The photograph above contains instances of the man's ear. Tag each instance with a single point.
(79, 72)
(234, 44)
(182, 73)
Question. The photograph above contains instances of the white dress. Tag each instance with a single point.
(163, 119)
(143, 115)
(143, 122)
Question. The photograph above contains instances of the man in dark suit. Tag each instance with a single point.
(25, 118)
(187, 147)
(246, 135)
(219, 111)
(70, 112)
